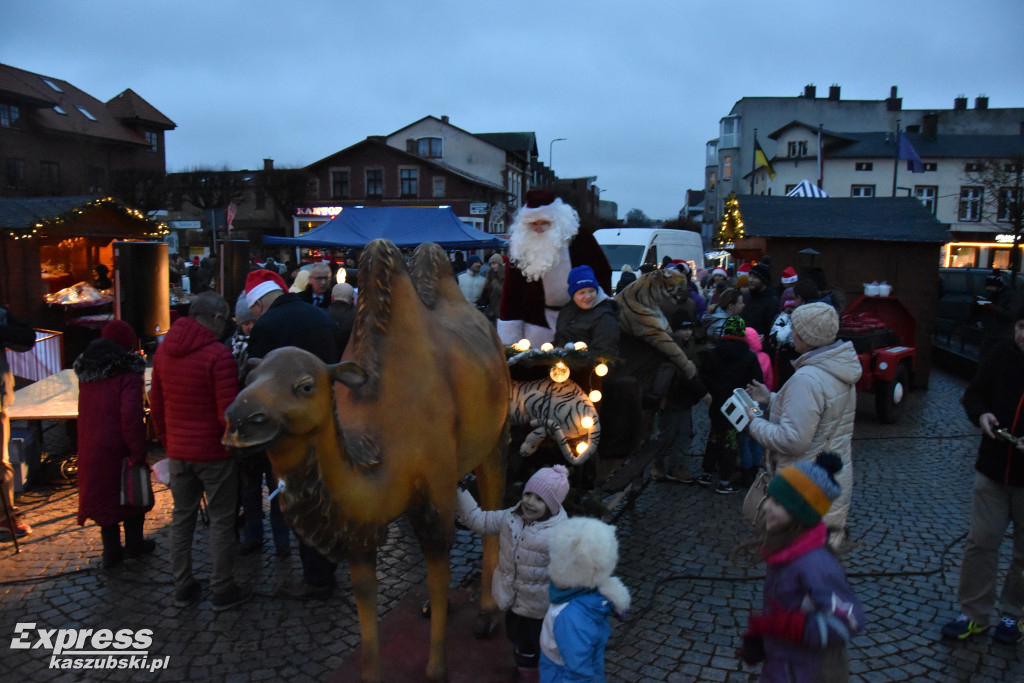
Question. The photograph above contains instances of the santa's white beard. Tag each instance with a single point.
(535, 253)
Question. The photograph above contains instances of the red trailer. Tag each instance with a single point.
(882, 331)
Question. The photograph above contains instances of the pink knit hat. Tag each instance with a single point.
(551, 484)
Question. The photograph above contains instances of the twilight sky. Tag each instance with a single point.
(637, 87)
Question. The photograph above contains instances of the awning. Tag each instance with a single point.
(805, 188)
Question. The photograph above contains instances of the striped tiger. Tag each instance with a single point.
(554, 410)
(640, 313)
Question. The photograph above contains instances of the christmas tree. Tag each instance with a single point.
(731, 228)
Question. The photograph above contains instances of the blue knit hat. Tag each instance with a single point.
(581, 277)
(807, 489)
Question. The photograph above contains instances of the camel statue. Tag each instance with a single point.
(419, 400)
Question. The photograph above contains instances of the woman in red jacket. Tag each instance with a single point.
(111, 428)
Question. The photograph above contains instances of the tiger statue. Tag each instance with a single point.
(555, 410)
(640, 313)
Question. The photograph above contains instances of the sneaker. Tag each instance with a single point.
(188, 595)
(726, 487)
(704, 479)
(226, 599)
(680, 475)
(963, 628)
(20, 528)
(1009, 631)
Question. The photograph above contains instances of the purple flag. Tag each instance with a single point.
(907, 151)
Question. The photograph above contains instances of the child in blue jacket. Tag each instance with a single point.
(810, 612)
(583, 555)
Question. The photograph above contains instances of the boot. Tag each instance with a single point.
(113, 553)
(134, 544)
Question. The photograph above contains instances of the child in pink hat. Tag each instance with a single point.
(520, 585)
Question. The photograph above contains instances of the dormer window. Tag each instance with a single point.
(430, 148)
(60, 110)
(53, 85)
(85, 113)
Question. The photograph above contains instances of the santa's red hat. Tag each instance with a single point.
(538, 198)
(744, 269)
(719, 271)
(789, 276)
(259, 282)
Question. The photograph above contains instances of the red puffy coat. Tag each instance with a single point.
(195, 379)
(111, 428)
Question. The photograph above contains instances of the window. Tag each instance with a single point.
(85, 113)
(97, 179)
(151, 140)
(927, 194)
(970, 204)
(339, 185)
(15, 173)
(375, 183)
(9, 113)
(410, 181)
(864, 166)
(972, 167)
(963, 257)
(712, 180)
(712, 153)
(727, 167)
(862, 190)
(50, 172)
(52, 85)
(60, 110)
(438, 188)
(790, 188)
(930, 166)
(797, 148)
(430, 148)
(730, 137)
(1007, 204)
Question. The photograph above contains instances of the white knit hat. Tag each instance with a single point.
(817, 324)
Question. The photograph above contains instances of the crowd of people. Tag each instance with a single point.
(739, 328)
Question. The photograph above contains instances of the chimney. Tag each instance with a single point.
(444, 118)
(981, 102)
(960, 103)
(894, 103)
(809, 91)
(833, 92)
(268, 164)
(930, 125)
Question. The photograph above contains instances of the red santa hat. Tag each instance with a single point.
(744, 269)
(719, 271)
(260, 282)
(789, 276)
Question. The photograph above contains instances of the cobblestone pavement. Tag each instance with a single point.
(911, 506)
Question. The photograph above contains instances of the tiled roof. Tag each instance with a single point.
(25, 212)
(900, 219)
(874, 145)
(129, 105)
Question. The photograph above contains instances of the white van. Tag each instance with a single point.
(636, 246)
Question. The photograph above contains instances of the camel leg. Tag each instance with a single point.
(490, 477)
(435, 530)
(363, 570)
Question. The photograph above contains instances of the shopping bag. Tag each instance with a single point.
(136, 488)
(753, 502)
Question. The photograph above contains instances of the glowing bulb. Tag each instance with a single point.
(547, 346)
(522, 345)
(587, 422)
(595, 396)
(342, 274)
(601, 370)
(559, 372)
(580, 346)
(581, 448)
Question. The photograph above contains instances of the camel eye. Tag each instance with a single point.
(305, 386)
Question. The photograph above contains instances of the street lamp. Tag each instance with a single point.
(550, 145)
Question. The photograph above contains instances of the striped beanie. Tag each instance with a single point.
(807, 489)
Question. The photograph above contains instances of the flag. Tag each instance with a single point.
(907, 151)
(761, 159)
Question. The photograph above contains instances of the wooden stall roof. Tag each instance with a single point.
(60, 217)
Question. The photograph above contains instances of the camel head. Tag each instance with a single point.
(288, 394)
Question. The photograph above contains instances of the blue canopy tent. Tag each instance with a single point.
(405, 226)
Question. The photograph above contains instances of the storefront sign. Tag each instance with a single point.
(185, 225)
(478, 209)
(328, 211)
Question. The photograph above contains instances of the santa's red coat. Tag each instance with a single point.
(523, 300)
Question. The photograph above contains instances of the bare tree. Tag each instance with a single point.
(210, 189)
(286, 188)
(999, 203)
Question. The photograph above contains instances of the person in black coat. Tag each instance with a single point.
(318, 291)
(729, 365)
(762, 305)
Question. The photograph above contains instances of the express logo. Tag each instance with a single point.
(86, 648)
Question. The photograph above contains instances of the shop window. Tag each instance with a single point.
(375, 183)
(339, 184)
(963, 257)
(970, 203)
(1000, 258)
(409, 181)
(862, 190)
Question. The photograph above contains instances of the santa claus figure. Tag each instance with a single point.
(544, 245)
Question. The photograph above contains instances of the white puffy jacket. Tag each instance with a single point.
(521, 577)
(814, 412)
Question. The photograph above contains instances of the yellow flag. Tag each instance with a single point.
(761, 159)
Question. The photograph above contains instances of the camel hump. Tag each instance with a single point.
(380, 262)
(432, 275)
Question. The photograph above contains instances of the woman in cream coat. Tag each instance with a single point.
(815, 409)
